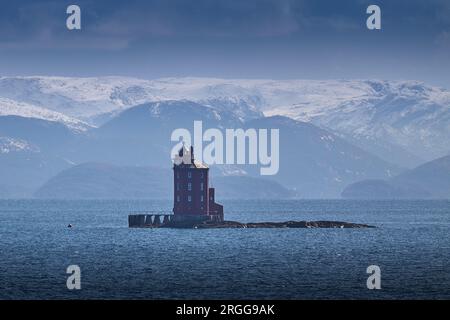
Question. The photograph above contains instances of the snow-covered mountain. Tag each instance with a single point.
(89, 98)
(403, 122)
(10, 107)
(395, 119)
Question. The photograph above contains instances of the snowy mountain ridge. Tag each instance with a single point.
(10, 107)
(406, 114)
(407, 121)
(268, 95)
(84, 98)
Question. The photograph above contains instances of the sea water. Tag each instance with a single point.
(411, 245)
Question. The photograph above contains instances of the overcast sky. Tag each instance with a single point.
(278, 39)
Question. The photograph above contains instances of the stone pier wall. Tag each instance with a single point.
(151, 220)
(148, 220)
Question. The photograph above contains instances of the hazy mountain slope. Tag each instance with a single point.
(433, 176)
(23, 167)
(383, 189)
(245, 187)
(430, 180)
(318, 164)
(103, 181)
(47, 135)
(141, 135)
(31, 151)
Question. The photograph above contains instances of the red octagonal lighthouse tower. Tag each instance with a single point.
(193, 200)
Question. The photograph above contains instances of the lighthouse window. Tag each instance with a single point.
(201, 187)
(189, 198)
(189, 174)
(201, 198)
(189, 186)
(178, 186)
(178, 198)
(201, 174)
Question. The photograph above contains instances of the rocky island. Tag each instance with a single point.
(166, 221)
(253, 225)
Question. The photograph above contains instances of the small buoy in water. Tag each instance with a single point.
(69, 226)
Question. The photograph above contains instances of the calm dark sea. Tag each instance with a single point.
(411, 245)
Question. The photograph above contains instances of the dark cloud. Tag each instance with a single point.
(251, 38)
(128, 21)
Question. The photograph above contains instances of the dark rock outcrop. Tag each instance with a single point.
(154, 221)
(286, 224)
